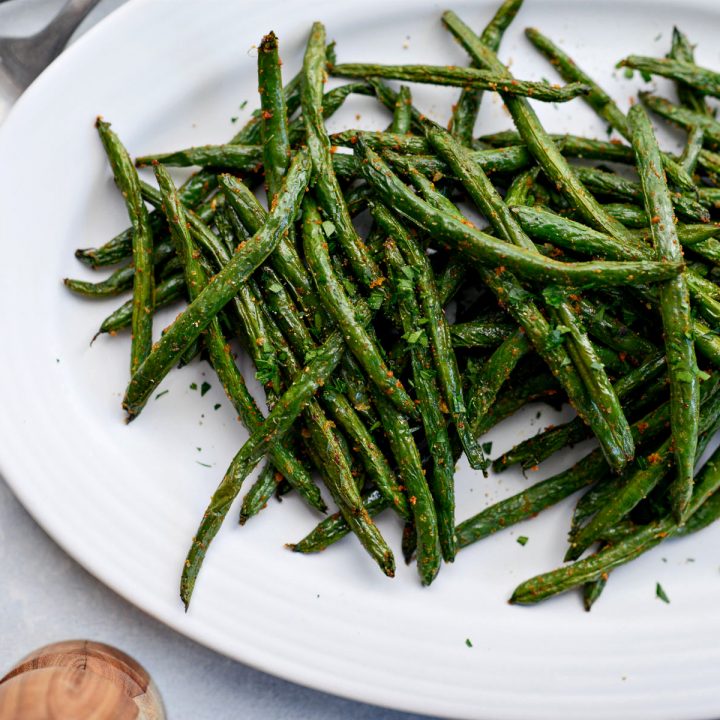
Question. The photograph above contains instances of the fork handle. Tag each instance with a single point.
(53, 38)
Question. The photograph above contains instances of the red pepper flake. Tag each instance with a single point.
(266, 115)
(377, 282)
(642, 427)
(654, 458)
(333, 149)
(412, 499)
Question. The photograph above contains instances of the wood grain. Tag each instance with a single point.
(79, 680)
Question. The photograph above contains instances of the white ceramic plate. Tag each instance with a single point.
(125, 500)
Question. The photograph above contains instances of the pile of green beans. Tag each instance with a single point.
(386, 355)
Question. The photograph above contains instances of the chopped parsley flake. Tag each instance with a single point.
(522, 540)
(661, 594)
(204, 388)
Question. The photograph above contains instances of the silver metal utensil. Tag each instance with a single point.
(22, 59)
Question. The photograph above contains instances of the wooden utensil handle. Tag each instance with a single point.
(79, 680)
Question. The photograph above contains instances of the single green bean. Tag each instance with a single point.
(571, 146)
(682, 49)
(166, 292)
(236, 157)
(631, 216)
(327, 186)
(486, 385)
(684, 117)
(693, 147)
(592, 591)
(258, 496)
(144, 278)
(480, 334)
(675, 310)
(700, 78)
(402, 115)
(274, 126)
(528, 503)
(122, 278)
(463, 77)
(707, 342)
